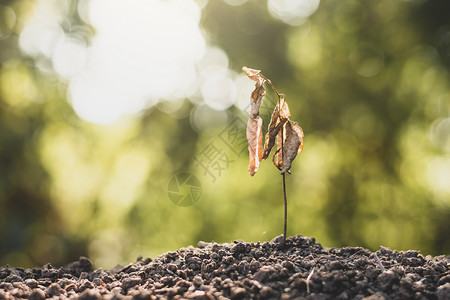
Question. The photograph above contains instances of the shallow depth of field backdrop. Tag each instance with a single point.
(103, 102)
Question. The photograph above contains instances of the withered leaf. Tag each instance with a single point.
(293, 144)
(274, 128)
(254, 138)
(288, 135)
(277, 158)
(258, 92)
(284, 109)
(252, 73)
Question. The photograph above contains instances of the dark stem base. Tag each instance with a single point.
(285, 209)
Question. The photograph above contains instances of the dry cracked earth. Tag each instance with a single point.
(302, 269)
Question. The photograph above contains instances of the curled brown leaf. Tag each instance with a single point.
(258, 92)
(254, 138)
(274, 128)
(293, 145)
(284, 109)
(252, 73)
(288, 135)
(277, 158)
(256, 99)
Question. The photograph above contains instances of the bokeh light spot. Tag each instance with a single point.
(219, 90)
(205, 119)
(70, 57)
(129, 66)
(440, 134)
(235, 2)
(306, 48)
(367, 61)
(438, 174)
(134, 64)
(7, 21)
(293, 12)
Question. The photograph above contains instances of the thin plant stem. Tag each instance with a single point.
(285, 209)
(284, 178)
(270, 84)
(282, 148)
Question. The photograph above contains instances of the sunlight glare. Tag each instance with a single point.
(293, 12)
(69, 57)
(143, 51)
(40, 38)
(438, 174)
(218, 88)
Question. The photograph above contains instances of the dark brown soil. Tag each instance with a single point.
(303, 269)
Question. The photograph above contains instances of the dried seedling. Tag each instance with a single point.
(287, 134)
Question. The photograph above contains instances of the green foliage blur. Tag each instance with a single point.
(368, 81)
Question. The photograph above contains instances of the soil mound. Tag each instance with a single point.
(302, 269)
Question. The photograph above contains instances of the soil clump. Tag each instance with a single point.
(302, 269)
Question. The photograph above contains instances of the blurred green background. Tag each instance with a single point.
(103, 102)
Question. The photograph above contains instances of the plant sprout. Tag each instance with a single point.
(287, 134)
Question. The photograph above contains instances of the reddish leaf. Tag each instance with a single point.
(293, 145)
(254, 138)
